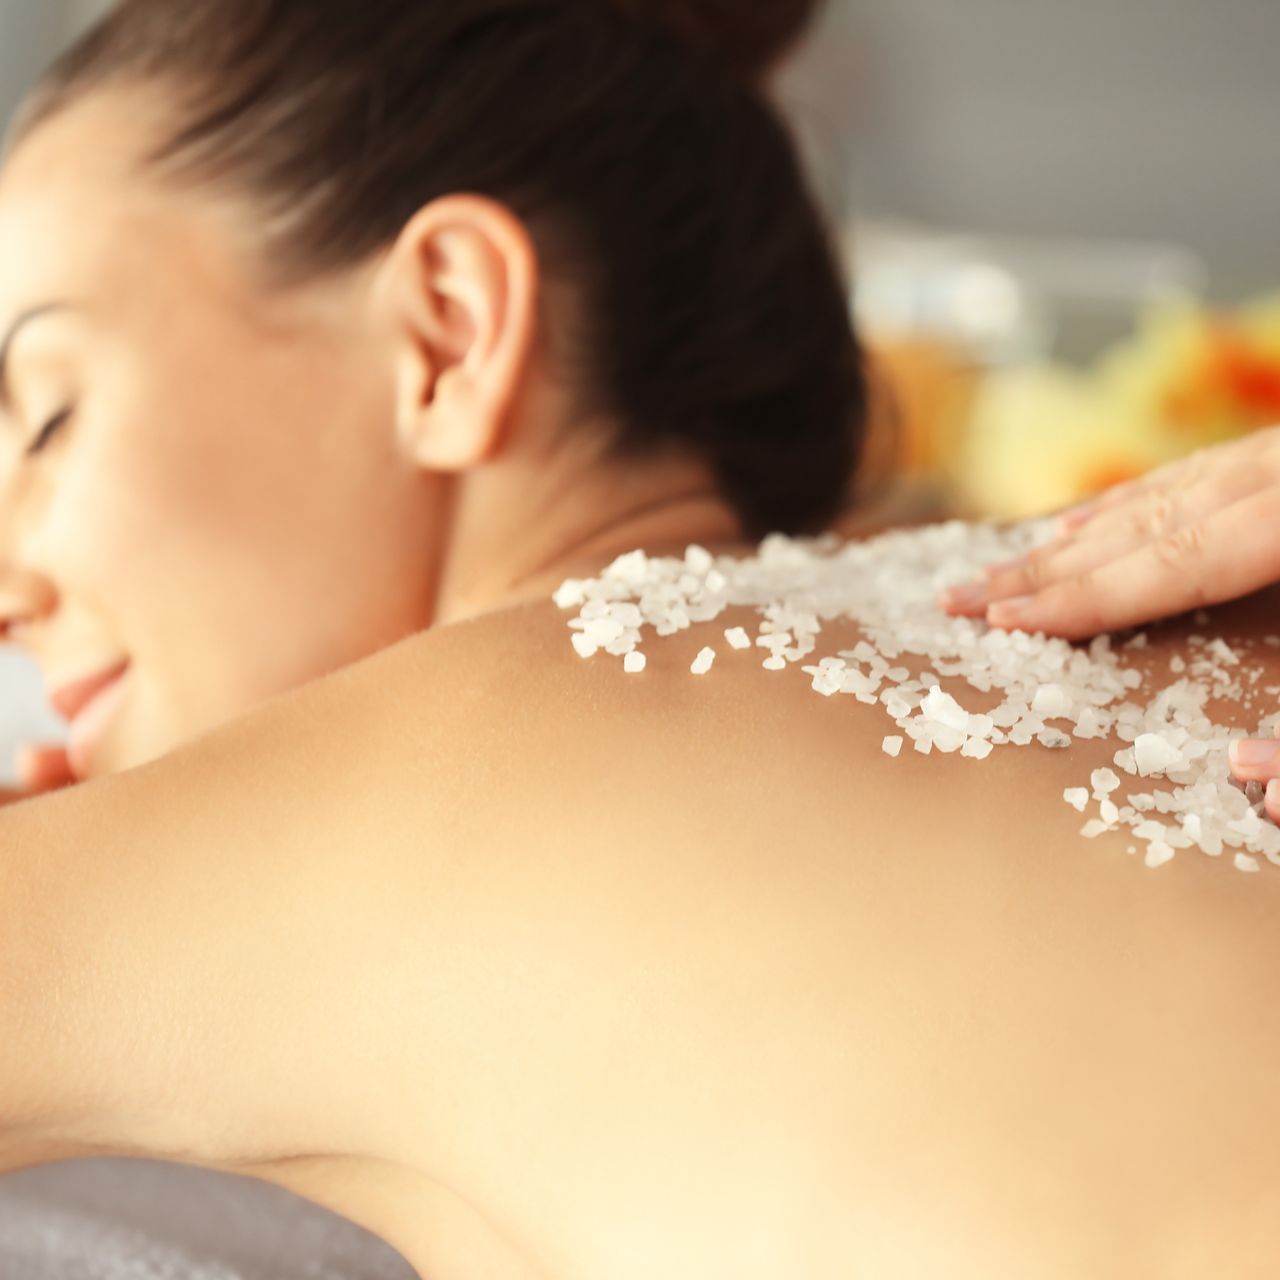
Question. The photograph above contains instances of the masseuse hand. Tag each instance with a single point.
(41, 768)
(1194, 532)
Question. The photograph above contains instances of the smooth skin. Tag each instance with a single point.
(507, 955)
(1194, 532)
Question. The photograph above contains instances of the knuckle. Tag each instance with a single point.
(1184, 550)
(1037, 574)
(1156, 515)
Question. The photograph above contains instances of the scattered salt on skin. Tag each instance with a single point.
(892, 745)
(889, 585)
(1078, 797)
(634, 662)
(702, 663)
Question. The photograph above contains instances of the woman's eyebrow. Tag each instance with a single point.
(6, 400)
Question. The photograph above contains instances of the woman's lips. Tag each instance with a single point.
(91, 719)
(71, 698)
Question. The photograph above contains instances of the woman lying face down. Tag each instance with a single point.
(360, 360)
(390, 317)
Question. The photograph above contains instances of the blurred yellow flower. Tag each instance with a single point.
(1040, 437)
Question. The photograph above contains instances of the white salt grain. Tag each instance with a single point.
(946, 738)
(702, 663)
(1078, 797)
(892, 745)
(1050, 700)
(1245, 863)
(738, 638)
(1158, 853)
(977, 748)
(1103, 781)
(1153, 754)
(634, 662)
(943, 708)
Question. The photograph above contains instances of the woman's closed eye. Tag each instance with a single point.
(46, 431)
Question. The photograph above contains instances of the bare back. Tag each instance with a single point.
(662, 974)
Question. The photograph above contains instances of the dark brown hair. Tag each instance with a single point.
(632, 139)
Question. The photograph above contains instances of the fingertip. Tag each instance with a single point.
(1016, 611)
(1271, 799)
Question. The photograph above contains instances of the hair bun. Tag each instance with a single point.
(751, 34)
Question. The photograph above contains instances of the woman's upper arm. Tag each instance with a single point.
(210, 955)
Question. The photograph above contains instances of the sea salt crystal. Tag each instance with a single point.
(946, 738)
(1093, 828)
(633, 662)
(1158, 853)
(977, 748)
(738, 638)
(697, 558)
(1108, 812)
(943, 708)
(571, 593)
(1078, 797)
(1244, 862)
(1103, 781)
(584, 644)
(1223, 652)
(1152, 754)
(1051, 701)
(702, 663)
(1089, 723)
(892, 745)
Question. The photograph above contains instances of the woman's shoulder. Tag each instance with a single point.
(411, 910)
(767, 897)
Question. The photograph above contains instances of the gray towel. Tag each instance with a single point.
(127, 1219)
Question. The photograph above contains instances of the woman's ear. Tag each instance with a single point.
(461, 282)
